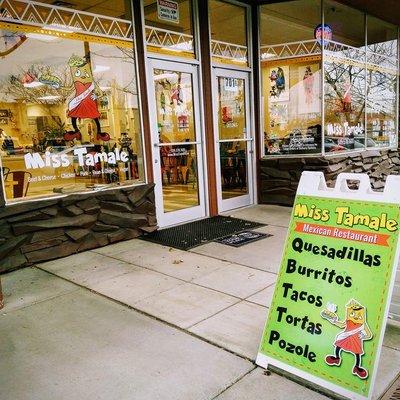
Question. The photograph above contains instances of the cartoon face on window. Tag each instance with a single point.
(80, 69)
(82, 73)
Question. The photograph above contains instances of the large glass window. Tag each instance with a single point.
(228, 23)
(291, 77)
(169, 27)
(69, 112)
(344, 72)
(359, 57)
(382, 56)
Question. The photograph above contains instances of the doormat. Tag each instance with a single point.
(242, 238)
(193, 234)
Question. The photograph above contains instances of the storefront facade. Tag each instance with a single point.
(121, 117)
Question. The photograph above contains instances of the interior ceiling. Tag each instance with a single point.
(296, 20)
(184, 26)
(223, 17)
(110, 8)
(299, 21)
(285, 23)
(388, 10)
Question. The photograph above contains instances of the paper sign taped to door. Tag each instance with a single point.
(328, 314)
(168, 10)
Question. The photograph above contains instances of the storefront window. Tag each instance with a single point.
(169, 27)
(69, 112)
(360, 78)
(228, 33)
(291, 77)
(382, 56)
(345, 80)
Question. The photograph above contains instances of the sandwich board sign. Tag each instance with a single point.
(328, 314)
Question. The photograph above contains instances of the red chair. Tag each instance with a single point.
(20, 181)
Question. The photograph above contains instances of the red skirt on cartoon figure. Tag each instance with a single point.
(352, 343)
(86, 107)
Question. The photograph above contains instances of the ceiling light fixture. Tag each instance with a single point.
(62, 28)
(39, 36)
(33, 84)
(164, 76)
(179, 47)
(50, 97)
(265, 56)
(100, 68)
(239, 59)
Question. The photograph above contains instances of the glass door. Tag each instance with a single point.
(177, 144)
(234, 142)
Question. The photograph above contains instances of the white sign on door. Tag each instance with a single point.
(168, 10)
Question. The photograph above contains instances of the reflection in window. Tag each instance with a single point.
(233, 164)
(232, 125)
(69, 110)
(231, 108)
(228, 46)
(382, 55)
(174, 97)
(169, 27)
(344, 73)
(176, 124)
(291, 77)
(359, 77)
(179, 176)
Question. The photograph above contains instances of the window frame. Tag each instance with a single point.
(323, 153)
(4, 202)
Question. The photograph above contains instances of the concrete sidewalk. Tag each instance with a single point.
(136, 320)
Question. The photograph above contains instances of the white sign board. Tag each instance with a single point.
(168, 10)
(330, 306)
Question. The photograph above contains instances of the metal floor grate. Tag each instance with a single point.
(193, 234)
(394, 391)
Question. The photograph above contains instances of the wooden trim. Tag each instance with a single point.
(2, 194)
(142, 86)
(205, 52)
(1, 296)
(292, 60)
(258, 131)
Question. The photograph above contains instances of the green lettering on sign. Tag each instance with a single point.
(328, 310)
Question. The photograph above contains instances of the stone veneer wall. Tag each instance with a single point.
(32, 232)
(280, 176)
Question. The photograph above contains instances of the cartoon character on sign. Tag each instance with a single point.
(83, 104)
(351, 339)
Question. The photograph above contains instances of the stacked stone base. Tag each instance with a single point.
(280, 177)
(31, 232)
